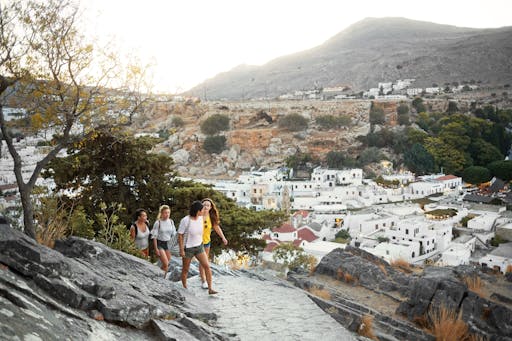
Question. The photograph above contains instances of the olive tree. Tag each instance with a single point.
(55, 73)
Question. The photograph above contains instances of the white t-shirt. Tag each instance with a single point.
(163, 230)
(195, 231)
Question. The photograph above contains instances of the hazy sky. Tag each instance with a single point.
(192, 40)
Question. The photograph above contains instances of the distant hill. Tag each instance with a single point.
(375, 50)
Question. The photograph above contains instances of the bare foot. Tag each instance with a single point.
(212, 292)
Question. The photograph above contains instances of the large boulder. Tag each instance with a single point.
(365, 269)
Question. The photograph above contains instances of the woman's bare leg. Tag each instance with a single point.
(201, 270)
(184, 270)
(203, 260)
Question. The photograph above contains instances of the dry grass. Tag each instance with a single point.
(349, 278)
(475, 284)
(366, 327)
(383, 269)
(47, 235)
(447, 325)
(312, 265)
(318, 292)
(509, 269)
(402, 265)
(474, 337)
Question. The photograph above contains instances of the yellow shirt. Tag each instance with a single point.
(207, 231)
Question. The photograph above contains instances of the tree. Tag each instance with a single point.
(111, 167)
(446, 156)
(214, 144)
(484, 153)
(293, 122)
(501, 169)
(338, 160)
(476, 175)
(370, 155)
(418, 160)
(417, 103)
(377, 115)
(403, 114)
(240, 225)
(452, 107)
(215, 124)
(49, 67)
(293, 257)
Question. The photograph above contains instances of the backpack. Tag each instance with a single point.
(134, 224)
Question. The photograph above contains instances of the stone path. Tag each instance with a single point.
(268, 310)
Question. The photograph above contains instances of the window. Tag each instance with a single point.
(255, 191)
(406, 231)
(384, 224)
(376, 226)
(387, 252)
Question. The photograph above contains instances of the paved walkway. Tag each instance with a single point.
(260, 310)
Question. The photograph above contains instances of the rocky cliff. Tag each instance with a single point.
(401, 299)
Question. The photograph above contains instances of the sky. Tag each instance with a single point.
(189, 41)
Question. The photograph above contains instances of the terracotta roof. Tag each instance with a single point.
(297, 242)
(285, 228)
(303, 213)
(266, 236)
(270, 247)
(306, 234)
(447, 177)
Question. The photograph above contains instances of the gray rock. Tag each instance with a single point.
(63, 293)
(233, 153)
(273, 149)
(245, 162)
(181, 157)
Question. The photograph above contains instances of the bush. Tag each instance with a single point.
(333, 122)
(293, 257)
(343, 234)
(293, 122)
(177, 122)
(214, 144)
(370, 155)
(366, 327)
(377, 115)
(448, 325)
(215, 124)
(338, 160)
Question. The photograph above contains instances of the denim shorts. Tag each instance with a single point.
(162, 245)
(208, 245)
(194, 251)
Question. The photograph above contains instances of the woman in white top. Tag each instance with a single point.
(163, 231)
(190, 238)
(139, 232)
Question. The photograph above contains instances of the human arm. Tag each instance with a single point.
(181, 243)
(154, 235)
(132, 232)
(219, 232)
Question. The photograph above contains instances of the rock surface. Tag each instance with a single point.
(84, 290)
(415, 295)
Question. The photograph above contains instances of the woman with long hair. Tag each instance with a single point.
(190, 239)
(163, 231)
(139, 231)
(211, 219)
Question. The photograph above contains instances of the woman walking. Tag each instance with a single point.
(190, 238)
(163, 231)
(139, 231)
(211, 219)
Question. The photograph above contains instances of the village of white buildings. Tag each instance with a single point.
(389, 222)
(397, 90)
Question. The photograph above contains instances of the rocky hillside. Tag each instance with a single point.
(401, 299)
(376, 50)
(255, 138)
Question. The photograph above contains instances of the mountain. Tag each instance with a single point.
(376, 50)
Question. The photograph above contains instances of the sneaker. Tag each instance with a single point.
(204, 285)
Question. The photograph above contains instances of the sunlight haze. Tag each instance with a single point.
(190, 41)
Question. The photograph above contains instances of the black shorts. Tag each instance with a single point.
(162, 245)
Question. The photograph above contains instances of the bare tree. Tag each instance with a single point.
(54, 72)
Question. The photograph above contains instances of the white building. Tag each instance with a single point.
(424, 188)
(456, 254)
(484, 222)
(414, 91)
(499, 259)
(450, 182)
(433, 90)
(405, 250)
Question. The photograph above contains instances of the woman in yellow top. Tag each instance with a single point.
(210, 219)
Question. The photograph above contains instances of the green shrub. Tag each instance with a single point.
(293, 122)
(215, 124)
(177, 122)
(332, 122)
(214, 144)
(343, 234)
